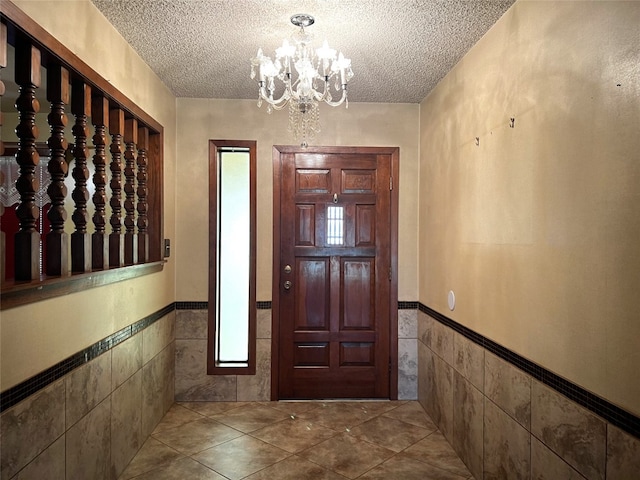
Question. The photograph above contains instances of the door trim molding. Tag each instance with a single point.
(282, 152)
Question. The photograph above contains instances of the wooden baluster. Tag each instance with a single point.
(27, 239)
(130, 237)
(3, 64)
(143, 236)
(99, 239)
(80, 238)
(116, 243)
(57, 243)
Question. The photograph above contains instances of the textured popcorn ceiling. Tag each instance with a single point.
(400, 49)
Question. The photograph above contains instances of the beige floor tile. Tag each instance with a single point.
(347, 455)
(250, 417)
(294, 434)
(321, 440)
(295, 468)
(389, 433)
(240, 457)
(196, 436)
(407, 468)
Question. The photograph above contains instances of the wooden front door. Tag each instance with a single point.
(335, 237)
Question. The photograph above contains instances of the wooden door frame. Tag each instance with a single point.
(278, 152)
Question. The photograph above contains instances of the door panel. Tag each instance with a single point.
(334, 316)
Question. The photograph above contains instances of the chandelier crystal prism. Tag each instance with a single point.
(302, 77)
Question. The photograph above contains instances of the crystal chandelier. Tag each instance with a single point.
(315, 72)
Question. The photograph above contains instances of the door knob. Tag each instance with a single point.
(287, 285)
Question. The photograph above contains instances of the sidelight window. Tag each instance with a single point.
(232, 258)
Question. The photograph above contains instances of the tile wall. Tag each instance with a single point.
(503, 423)
(193, 383)
(91, 422)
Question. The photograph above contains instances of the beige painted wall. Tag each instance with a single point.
(35, 337)
(361, 124)
(536, 228)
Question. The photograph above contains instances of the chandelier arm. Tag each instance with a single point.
(276, 104)
(338, 102)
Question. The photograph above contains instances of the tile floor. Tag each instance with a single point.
(296, 440)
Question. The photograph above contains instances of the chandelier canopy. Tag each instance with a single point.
(306, 77)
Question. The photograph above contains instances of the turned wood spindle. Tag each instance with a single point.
(57, 240)
(130, 237)
(116, 239)
(99, 239)
(27, 239)
(3, 64)
(80, 238)
(142, 192)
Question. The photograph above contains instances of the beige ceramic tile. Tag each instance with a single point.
(176, 416)
(30, 427)
(263, 323)
(623, 454)
(507, 446)
(126, 359)
(468, 360)
(157, 389)
(293, 434)
(151, 456)
(546, 465)
(436, 451)
(468, 418)
(437, 382)
(572, 432)
(126, 423)
(347, 455)
(88, 445)
(209, 409)
(407, 369)
(413, 413)
(257, 388)
(509, 388)
(390, 433)
(86, 387)
(338, 416)
(192, 382)
(49, 464)
(181, 469)
(192, 324)
(250, 417)
(295, 468)
(157, 336)
(407, 468)
(240, 457)
(196, 436)
(408, 323)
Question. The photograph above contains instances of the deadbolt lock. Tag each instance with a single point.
(287, 285)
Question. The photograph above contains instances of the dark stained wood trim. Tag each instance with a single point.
(212, 369)
(44, 39)
(26, 293)
(393, 294)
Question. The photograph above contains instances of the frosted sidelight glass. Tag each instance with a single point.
(233, 257)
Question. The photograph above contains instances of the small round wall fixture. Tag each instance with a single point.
(451, 299)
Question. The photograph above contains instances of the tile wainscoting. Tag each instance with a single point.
(506, 423)
(87, 416)
(193, 383)
(89, 422)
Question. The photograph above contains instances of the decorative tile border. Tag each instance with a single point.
(16, 394)
(611, 413)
